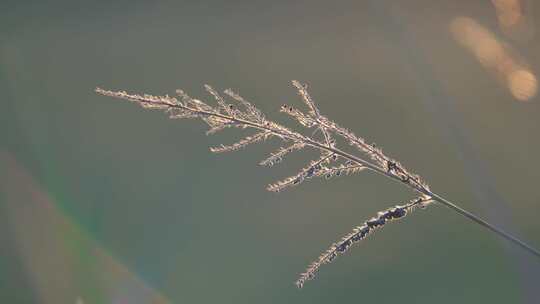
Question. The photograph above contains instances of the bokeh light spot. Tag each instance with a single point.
(522, 84)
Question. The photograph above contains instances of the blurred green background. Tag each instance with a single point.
(104, 202)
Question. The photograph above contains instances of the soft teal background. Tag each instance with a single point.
(104, 202)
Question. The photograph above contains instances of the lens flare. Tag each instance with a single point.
(63, 262)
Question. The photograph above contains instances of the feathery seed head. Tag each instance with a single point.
(332, 160)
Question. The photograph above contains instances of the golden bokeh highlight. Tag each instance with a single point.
(509, 12)
(512, 19)
(496, 57)
(522, 84)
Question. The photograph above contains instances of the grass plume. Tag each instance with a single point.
(332, 161)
